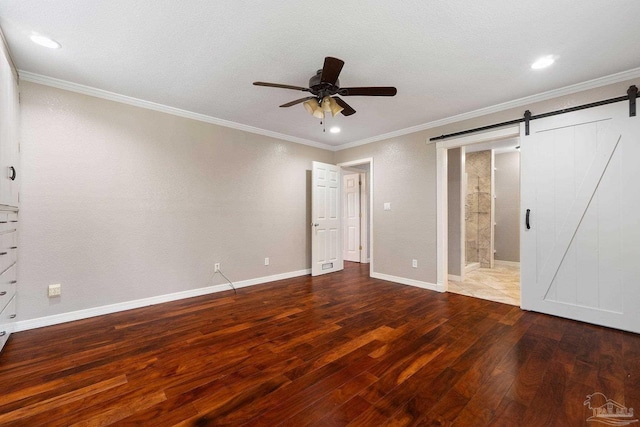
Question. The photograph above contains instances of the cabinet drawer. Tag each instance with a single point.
(7, 286)
(8, 249)
(8, 221)
(7, 318)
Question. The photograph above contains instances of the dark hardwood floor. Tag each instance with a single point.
(340, 349)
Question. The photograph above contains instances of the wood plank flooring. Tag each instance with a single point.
(340, 349)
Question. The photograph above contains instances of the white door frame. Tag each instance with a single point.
(441, 192)
(369, 190)
(364, 220)
(351, 172)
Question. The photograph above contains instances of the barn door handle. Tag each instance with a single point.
(12, 176)
(526, 220)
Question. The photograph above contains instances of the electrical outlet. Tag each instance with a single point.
(55, 290)
(216, 267)
(266, 261)
(414, 263)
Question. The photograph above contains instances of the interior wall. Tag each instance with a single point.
(454, 197)
(507, 185)
(405, 174)
(120, 203)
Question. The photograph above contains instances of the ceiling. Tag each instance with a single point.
(445, 58)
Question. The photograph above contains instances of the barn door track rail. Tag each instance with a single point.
(632, 94)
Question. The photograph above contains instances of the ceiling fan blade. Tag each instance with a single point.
(297, 101)
(304, 89)
(331, 70)
(347, 108)
(368, 91)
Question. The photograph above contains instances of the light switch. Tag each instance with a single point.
(387, 206)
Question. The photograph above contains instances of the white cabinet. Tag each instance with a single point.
(9, 127)
(9, 180)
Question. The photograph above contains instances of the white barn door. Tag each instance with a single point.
(351, 217)
(326, 248)
(579, 185)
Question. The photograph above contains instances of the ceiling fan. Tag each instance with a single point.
(324, 86)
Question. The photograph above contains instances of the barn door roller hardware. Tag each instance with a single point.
(632, 94)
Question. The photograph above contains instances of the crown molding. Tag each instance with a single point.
(555, 93)
(112, 96)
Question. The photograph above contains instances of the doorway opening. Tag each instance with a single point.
(357, 211)
(480, 176)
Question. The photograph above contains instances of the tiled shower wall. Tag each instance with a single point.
(478, 208)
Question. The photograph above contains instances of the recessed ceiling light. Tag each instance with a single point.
(45, 41)
(334, 129)
(543, 62)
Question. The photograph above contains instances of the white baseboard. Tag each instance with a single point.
(55, 319)
(509, 263)
(455, 278)
(410, 282)
(469, 268)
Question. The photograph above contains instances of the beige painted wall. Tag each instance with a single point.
(120, 203)
(507, 185)
(405, 171)
(403, 175)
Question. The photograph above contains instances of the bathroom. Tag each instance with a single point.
(484, 254)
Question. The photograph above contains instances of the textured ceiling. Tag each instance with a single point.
(445, 58)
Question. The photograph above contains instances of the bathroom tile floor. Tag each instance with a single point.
(499, 284)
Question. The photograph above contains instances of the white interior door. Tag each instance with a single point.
(351, 217)
(579, 184)
(326, 248)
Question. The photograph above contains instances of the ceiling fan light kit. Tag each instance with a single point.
(324, 86)
(311, 105)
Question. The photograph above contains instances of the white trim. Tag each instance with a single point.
(364, 219)
(567, 90)
(370, 193)
(507, 263)
(274, 278)
(55, 319)
(471, 267)
(442, 222)
(463, 211)
(455, 278)
(405, 281)
(477, 138)
(527, 100)
(442, 246)
(112, 96)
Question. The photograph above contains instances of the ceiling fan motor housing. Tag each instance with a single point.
(322, 89)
